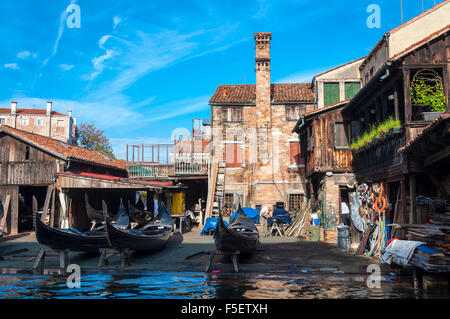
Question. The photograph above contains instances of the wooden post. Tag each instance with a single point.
(47, 202)
(14, 209)
(396, 102)
(52, 211)
(403, 201)
(6, 205)
(407, 96)
(412, 197)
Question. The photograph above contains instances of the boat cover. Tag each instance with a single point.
(281, 214)
(252, 213)
(210, 223)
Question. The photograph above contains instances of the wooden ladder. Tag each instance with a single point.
(219, 189)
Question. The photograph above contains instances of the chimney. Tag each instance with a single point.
(13, 108)
(262, 46)
(49, 108)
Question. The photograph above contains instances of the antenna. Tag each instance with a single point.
(401, 9)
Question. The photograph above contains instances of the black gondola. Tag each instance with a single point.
(121, 218)
(240, 235)
(153, 236)
(139, 215)
(73, 239)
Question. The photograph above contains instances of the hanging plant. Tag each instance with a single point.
(427, 90)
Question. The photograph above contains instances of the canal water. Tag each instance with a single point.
(200, 285)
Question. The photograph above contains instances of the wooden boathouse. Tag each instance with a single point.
(389, 76)
(31, 164)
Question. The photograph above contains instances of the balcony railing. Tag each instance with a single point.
(158, 170)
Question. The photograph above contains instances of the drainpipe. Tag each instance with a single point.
(386, 40)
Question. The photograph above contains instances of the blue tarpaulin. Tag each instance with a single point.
(280, 214)
(251, 213)
(210, 223)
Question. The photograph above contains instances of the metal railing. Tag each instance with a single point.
(158, 170)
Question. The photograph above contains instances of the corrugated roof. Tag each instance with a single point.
(64, 150)
(246, 93)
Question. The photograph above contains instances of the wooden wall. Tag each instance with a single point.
(18, 168)
(323, 156)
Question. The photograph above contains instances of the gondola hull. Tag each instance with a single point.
(60, 239)
(227, 239)
(124, 238)
(154, 237)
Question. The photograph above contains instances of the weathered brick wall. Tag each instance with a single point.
(261, 180)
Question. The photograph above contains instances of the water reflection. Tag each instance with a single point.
(198, 285)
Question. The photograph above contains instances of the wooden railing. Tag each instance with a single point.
(158, 170)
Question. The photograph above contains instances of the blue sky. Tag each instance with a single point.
(140, 69)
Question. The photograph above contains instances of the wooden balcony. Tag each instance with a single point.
(381, 159)
(163, 171)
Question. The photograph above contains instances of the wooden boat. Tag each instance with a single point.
(140, 216)
(240, 235)
(153, 236)
(92, 213)
(121, 218)
(72, 239)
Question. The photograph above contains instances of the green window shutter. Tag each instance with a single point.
(330, 93)
(351, 88)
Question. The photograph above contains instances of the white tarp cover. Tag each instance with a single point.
(400, 251)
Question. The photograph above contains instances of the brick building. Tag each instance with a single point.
(45, 122)
(252, 133)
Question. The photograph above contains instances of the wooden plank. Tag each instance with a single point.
(412, 198)
(47, 202)
(6, 205)
(437, 156)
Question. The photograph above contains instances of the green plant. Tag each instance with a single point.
(374, 132)
(427, 90)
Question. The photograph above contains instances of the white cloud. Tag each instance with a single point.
(99, 62)
(66, 67)
(116, 21)
(12, 66)
(26, 54)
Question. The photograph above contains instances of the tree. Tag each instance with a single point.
(93, 138)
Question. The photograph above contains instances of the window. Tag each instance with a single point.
(38, 122)
(295, 154)
(340, 136)
(24, 121)
(232, 114)
(27, 153)
(295, 202)
(351, 88)
(228, 205)
(60, 123)
(3, 121)
(331, 93)
(293, 112)
(233, 155)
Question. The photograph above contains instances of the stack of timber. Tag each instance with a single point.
(299, 226)
(435, 255)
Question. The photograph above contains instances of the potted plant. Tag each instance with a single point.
(427, 91)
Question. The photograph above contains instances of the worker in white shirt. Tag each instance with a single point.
(266, 212)
(345, 213)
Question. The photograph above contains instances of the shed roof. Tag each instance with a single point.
(64, 150)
